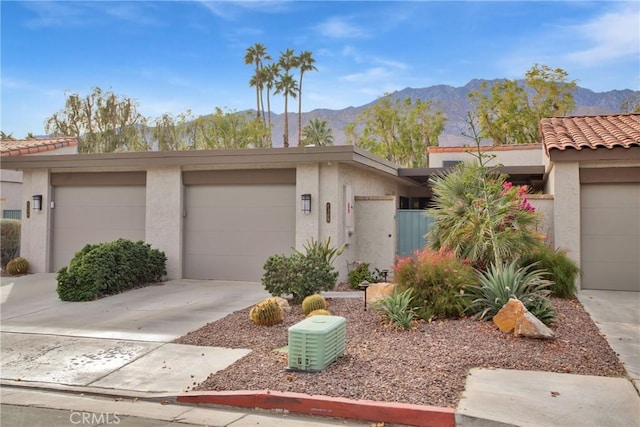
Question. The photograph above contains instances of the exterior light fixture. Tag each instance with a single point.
(37, 202)
(306, 203)
(364, 285)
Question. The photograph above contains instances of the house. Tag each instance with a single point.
(220, 214)
(11, 180)
(593, 172)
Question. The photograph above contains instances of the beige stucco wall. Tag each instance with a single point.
(308, 182)
(564, 184)
(163, 226)
(376, 242)
(514, 157)
(10, 190)
(543, 203)
(35, 231)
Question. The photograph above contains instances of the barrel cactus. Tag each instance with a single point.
(313, 302)
(267, 313)
(319, 312)
(17, 266)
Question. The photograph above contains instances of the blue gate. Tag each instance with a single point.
(413, 225)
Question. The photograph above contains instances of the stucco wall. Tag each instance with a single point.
(163, 223)
(543, 203)
(528, 155)
(10, 190)
(376, 242)
(35, 231)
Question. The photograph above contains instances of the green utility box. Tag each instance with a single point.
(316, 342)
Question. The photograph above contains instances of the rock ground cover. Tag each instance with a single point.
(426, 366)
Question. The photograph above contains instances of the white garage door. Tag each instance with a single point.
(610, 242)
(95, 214)
(231, 230)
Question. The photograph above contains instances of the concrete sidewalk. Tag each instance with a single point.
(125, 352)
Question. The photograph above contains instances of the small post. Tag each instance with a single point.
(364, 285)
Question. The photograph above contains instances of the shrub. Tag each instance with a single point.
(359, 274)
(110, 268)
(9, 240)
(481, 217)
(299, 275)
(398, 308)
(499, 284)
(558, 267)
(437, 279)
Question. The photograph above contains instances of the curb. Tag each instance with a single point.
(364, 410)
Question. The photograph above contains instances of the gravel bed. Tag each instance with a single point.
(425, 366)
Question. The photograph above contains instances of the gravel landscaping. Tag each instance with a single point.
(426, 366)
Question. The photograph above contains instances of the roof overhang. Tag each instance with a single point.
(532, 176)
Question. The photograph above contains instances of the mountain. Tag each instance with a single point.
(454, 101)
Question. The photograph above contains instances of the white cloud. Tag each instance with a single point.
(231, 10)
(371, 75)
(613, 35)
(340, 28)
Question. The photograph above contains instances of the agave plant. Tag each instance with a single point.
(398, 308)
(500, 283)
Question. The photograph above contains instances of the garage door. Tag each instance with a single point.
(610, 243)
(95, 214)
(231, 229)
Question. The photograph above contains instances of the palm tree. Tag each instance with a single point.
(270, 72)
(6, 135)
(287, 86)
(317, 133)
(255, 55)
(305, 63)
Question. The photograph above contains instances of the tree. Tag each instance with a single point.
(30, 135)
(509, 112)
(254, 55)
(4, 135)
(317, 133)
(103, 122)
(305, 63)
(399, 131)
(270, 75)
(631, 104)
(287, 86)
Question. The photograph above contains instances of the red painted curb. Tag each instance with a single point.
(366, 410)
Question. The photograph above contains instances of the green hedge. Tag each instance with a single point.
(9, 240)
(110, 268)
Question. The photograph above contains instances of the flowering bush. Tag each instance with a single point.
(438, 280)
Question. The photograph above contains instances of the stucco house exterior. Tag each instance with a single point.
(11, 180)
(220, 214)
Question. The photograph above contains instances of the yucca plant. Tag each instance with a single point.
(321, 250)
(500, 283)
(398, 308)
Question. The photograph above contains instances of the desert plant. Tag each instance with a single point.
(480, 216)
(9, 240)
(322, 251)
(267, 313)
(437, 279)
(359, 274)
(17, 266)
(301, 274)
(319, 312)
(313, 302)
(558, 267)
(500, 283)
(397, 308)
(110, 268)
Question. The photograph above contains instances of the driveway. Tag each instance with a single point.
(119, 342)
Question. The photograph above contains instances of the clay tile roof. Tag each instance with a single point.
(20, 147)
(592, 132)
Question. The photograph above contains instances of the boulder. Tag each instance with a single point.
(377, 291)
(284, 304)
(514, 316)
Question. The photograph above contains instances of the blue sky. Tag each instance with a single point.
(171, 56)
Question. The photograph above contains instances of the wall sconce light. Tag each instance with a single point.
(306, 203)
(37, 202)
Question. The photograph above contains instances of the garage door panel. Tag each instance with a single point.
(95, 214)
(610, 236)
(231, 230)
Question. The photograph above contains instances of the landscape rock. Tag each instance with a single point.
(378, 291)
(284, 304)
(515, 317)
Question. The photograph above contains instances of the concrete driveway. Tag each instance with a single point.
(119, 342)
